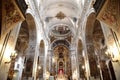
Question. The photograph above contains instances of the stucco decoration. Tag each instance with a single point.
(11, 15)
(60, 15)
(110, 14)
(61, 30)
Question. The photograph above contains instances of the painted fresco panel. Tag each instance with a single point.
(11, 15)
(110, 14)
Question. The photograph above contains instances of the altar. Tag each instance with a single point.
(61, 76)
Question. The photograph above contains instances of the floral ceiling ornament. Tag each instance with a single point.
(60, 15)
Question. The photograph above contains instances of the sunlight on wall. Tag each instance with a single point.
(113, 52)
(8, 52)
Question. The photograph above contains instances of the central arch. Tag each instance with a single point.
(60, 42)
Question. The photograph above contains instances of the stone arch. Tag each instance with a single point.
(94, 39)
(98, 43)
(93, 69)
(98, 35)
(32, 28)
(27, 33)
(100, 47)
(30, 52)
(26, 44)
(60, 42)
(23, 38)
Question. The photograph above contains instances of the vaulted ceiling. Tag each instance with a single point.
(60, 12)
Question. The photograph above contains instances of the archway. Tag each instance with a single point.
(23, 38)
(60, 59)
(25, 48)
(93, 70)
(60, 42)
(32, 29)
(96, 46)
(62, 55)
(100, 46)
(62, 62)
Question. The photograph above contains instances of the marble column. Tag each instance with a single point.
(74, 66)
(49, 60)
(45, 63)
(19, 70)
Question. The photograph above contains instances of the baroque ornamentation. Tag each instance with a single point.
(11, 15)
(60, 15)
(109, 14)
